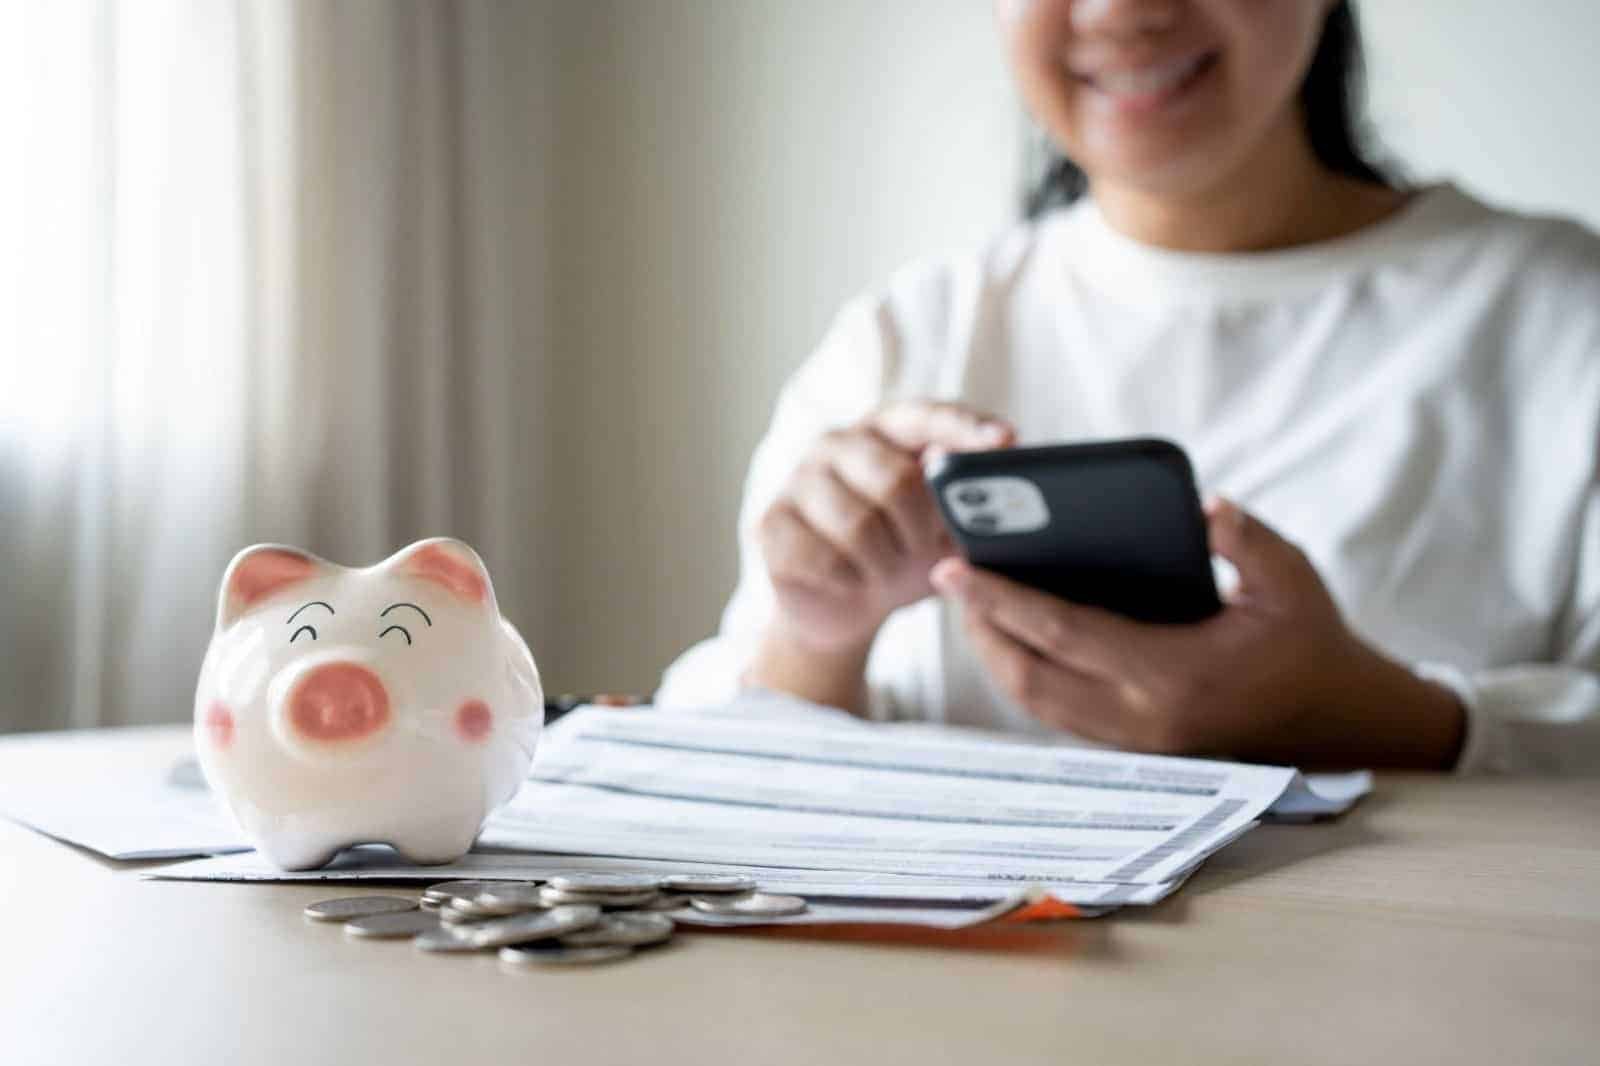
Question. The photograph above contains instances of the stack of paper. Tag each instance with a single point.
(867, 821)
(121, 808)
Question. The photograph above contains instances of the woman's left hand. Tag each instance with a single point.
(1275, 676)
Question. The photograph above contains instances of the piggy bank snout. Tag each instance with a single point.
(336, 702)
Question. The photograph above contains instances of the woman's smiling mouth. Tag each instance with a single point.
(1149, 85)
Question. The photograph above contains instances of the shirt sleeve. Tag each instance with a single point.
(844, 380)
(1541, 717)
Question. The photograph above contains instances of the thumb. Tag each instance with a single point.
(1271, 569)
(915, 425)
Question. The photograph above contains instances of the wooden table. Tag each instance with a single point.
(1442, 921)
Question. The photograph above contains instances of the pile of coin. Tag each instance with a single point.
(567, 919)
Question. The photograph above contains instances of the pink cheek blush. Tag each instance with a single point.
(474, 721)
(218, 724)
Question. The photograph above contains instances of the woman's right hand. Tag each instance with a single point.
(855, 531)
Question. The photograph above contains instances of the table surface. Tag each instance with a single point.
(1441, 921)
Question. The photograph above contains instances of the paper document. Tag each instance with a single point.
(153, 822)
(1321, 796)
(779, 791)
(381, 864)
(127, 809)
(121, 808)
(885, 823)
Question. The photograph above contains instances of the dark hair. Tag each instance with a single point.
(1331, 98)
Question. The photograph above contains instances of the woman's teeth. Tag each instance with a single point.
(1146, 81)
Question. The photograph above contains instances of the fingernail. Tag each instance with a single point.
(993, 432)
(1220, 507)
(949, 576)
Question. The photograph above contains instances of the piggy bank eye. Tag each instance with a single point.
(324, 604)
(402, 630)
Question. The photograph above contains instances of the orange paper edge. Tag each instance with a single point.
(1040, 910)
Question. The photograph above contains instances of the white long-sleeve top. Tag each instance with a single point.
(1417, 405)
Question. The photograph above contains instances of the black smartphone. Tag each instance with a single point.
(1116, 524)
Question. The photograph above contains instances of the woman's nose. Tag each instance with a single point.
(1124, 19)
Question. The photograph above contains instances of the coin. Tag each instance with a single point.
(755, 905)
(554, 896)
(347, 907)
(535, 925)
(604, 882)
(387, 926)
(452, 914)
(449, 915)
(470, 908)
(623, 930)
(485, 907)
(444, 938)
(666, 901)
(445, 891)
(516, 895)
(548, 954)
(699, 883)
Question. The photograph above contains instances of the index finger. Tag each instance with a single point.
(916, 424)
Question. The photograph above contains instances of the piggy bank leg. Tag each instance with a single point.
(436, 851)
(298, 855)
(436, 844)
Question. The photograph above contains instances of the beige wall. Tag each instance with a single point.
(1499, 97)
(727, 175)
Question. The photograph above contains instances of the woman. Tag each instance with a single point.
(1399, 391)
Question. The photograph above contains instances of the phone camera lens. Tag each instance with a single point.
(983, 523)
(972, 496)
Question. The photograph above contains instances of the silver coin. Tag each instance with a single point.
(445, 891)
(666, 901)
(622, 903)
(345, 908)
(557, 896)
(755, 905)
(444, 938)
(516, 895)
(485, 907)
(699, 883)
(633, 930)
(431, 903)
(390, 926)
(604, 882)
(551, 954)
(472, 907)
(452, 914)
(535, 925)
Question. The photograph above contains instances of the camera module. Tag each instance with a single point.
(972, 496)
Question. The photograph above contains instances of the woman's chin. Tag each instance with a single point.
(1165, 169)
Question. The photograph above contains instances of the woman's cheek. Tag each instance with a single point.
(1011, 12)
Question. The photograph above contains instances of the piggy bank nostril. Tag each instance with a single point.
(338, 701)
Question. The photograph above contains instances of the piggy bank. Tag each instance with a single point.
(339, 706)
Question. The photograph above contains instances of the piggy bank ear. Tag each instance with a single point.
(449, 564)
(258, 574)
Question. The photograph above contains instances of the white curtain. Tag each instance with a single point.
(268, 272)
